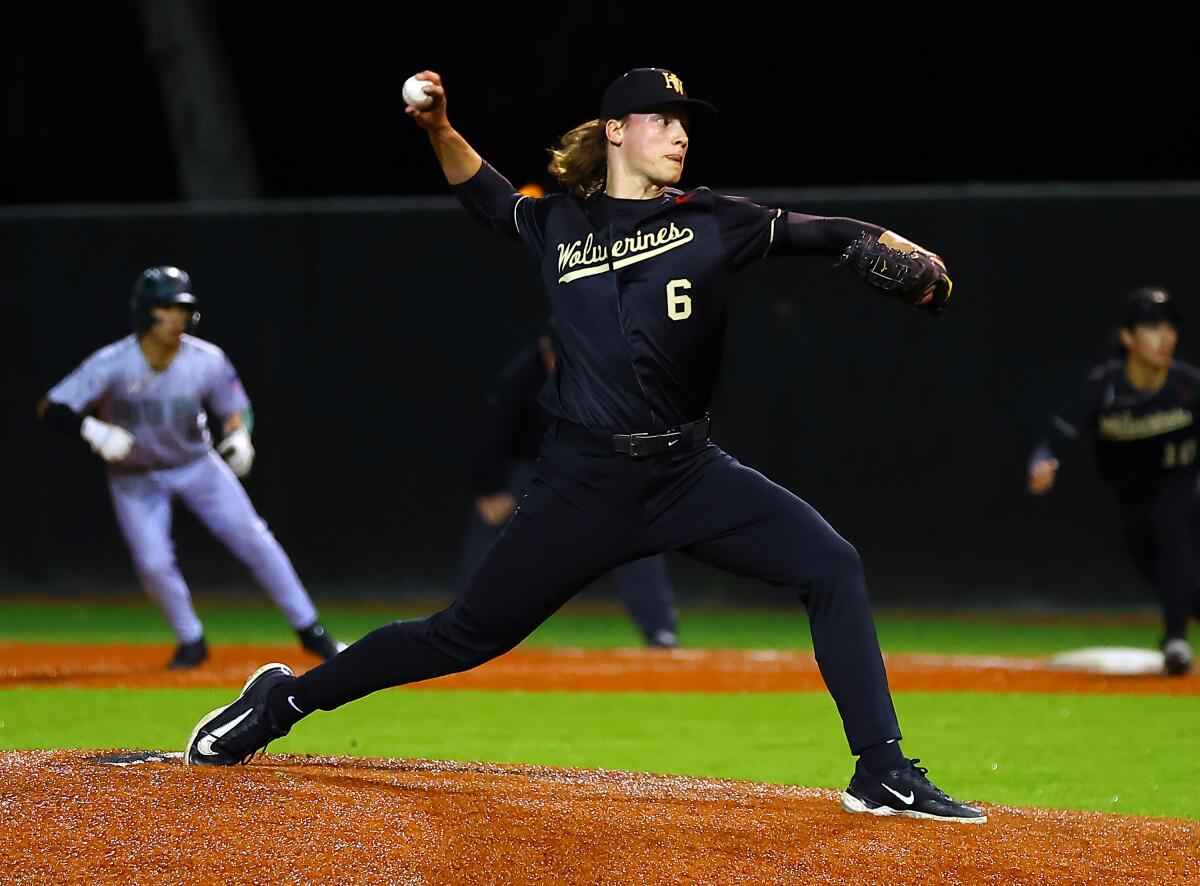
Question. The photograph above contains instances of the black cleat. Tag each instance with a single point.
(905, 791)
(1177, 657)
(189, 655)
(238, 731)
(315, 640)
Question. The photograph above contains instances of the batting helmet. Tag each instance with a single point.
(156, 288)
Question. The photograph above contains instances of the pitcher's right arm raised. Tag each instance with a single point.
(485, 193)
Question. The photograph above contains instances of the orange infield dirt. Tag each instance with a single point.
(728, 670)
(326, 820)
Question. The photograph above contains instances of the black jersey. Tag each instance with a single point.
(637, 289)
(1139, 438)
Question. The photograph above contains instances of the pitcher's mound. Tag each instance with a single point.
(117, 817)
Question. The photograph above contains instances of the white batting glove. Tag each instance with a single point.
(110, 442)
(238, 451)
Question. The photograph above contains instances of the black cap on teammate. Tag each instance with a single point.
(644, 88)
(1149, 305)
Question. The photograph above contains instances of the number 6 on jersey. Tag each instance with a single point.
(679, 304)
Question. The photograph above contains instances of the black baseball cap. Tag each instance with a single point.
(1149, 305)
(644, 88)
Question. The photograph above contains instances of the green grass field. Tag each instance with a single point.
(1130, 754)
(134, 621)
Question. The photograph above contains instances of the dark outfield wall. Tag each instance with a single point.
(366, 337)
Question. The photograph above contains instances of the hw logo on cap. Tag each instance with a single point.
(644, 88)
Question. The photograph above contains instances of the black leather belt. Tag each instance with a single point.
(639, 445)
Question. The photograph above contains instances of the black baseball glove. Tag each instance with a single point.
(908, 276)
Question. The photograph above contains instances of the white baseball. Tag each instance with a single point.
(414, 92)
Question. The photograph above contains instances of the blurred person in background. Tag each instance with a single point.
(149, 393)
(503, 461)
(1138, 411)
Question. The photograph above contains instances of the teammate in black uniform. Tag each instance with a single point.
(635, 270)
(503, 461)
(1139, 412)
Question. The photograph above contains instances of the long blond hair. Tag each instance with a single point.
(580, 162)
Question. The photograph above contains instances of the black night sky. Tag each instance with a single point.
(809, 95)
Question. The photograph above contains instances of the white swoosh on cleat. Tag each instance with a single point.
(204, 745)
(899, 796)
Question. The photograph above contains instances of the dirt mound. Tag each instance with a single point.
(319, 819)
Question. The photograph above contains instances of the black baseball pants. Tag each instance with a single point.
(644, 586)
(1162, 534)
(589, 510)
